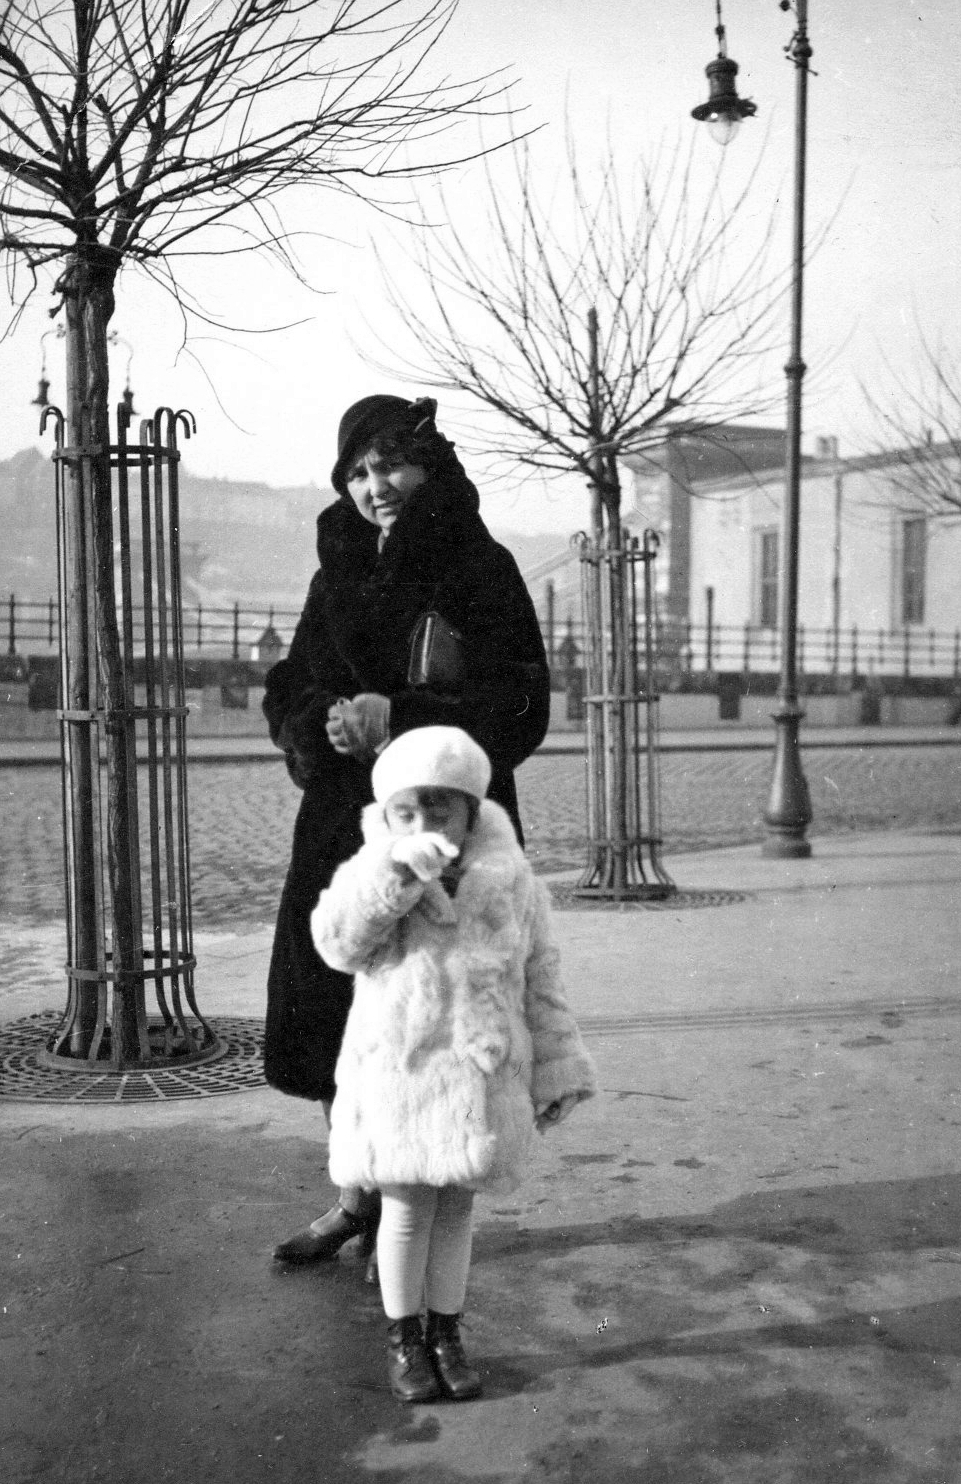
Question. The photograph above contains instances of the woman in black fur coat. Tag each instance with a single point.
(404, 537)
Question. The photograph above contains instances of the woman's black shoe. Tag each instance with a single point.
(409, 1371)
(457, 1377)
(313, 1246)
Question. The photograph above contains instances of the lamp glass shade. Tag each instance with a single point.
(722, 127)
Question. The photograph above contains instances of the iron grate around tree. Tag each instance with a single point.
(568, 896)
(27, 1076)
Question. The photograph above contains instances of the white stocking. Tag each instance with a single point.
(424, 1243)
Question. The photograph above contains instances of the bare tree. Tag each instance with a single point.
(129, 129)
(918, 432)
(598, 320)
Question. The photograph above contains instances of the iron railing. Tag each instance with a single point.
(698, 649)
(232, 631)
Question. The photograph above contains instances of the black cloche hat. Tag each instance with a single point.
(363, 421)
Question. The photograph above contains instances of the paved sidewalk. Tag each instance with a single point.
(742, 1262)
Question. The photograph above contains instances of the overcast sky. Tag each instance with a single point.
(884, 165)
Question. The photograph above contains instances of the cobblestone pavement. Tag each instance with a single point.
(241, 817)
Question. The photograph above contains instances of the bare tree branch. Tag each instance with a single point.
(134, 124)
(918, 432)
(684, 323)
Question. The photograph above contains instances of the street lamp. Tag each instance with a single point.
(723, 110)
(42, 399)
(128, 410)
(788, 811)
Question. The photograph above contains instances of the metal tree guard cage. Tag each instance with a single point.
(105, 1022)
(622, 718)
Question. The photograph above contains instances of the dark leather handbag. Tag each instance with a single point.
(436, 655)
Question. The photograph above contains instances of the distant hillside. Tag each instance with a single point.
(240, 541)
(28, 552)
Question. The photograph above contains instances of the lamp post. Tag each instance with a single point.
(788, 811)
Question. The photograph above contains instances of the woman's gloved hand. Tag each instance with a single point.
(359, 727)
(554, 1113)
(424, 855)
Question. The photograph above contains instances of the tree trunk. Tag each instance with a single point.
(82, 867)
(89, 301)
(622, 684)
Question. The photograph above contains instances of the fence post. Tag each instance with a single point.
(747, 649)
(907, 651)
(200, 626)
(236, 631)
(50, 621)
(709, 658)
(854, 652)
(12, 641)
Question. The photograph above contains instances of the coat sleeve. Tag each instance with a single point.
(505, 700)
(357, 915)
(563, 1067)
(297, 697)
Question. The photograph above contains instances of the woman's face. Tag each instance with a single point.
(380, 486)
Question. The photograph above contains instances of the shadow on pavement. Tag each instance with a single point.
(152, 1338)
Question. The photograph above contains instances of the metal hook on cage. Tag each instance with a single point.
(45, 414)
(165, 418)
(157, 421)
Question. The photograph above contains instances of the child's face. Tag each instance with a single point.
(442, 811)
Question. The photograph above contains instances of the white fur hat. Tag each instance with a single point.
(432, 757)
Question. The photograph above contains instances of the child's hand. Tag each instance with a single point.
(424, 855)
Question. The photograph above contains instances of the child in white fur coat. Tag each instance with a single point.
(459, 1041)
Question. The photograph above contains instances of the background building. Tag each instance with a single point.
(878, 565)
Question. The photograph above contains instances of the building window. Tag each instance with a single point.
(766, 578)
(913, 544)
